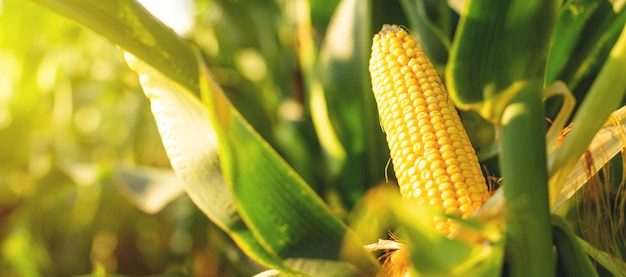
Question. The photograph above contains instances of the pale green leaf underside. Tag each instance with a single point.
(150, 189)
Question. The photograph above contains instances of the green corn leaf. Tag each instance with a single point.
(498, 44)
(283, 213)
(572, 258)
(583, 28)
(435, 255)
(308, 55)
(613, 264)
(343, 73)
(191, 145)
(568, 31)
(190, 141)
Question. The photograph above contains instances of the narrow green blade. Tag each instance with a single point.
(498, 44)
(343, 73)
(583, 29)
(571, 257)
(570, 24)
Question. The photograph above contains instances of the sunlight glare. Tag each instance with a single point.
(178, 15)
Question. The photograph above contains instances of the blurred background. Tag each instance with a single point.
(85, 185)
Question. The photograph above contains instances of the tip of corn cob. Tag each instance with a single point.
(433, 159)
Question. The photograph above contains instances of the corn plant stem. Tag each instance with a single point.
(523, 158)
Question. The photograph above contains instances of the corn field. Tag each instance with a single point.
(312, 138)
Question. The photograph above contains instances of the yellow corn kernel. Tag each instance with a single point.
(433, 159)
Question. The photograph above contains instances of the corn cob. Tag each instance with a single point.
(434, 162)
